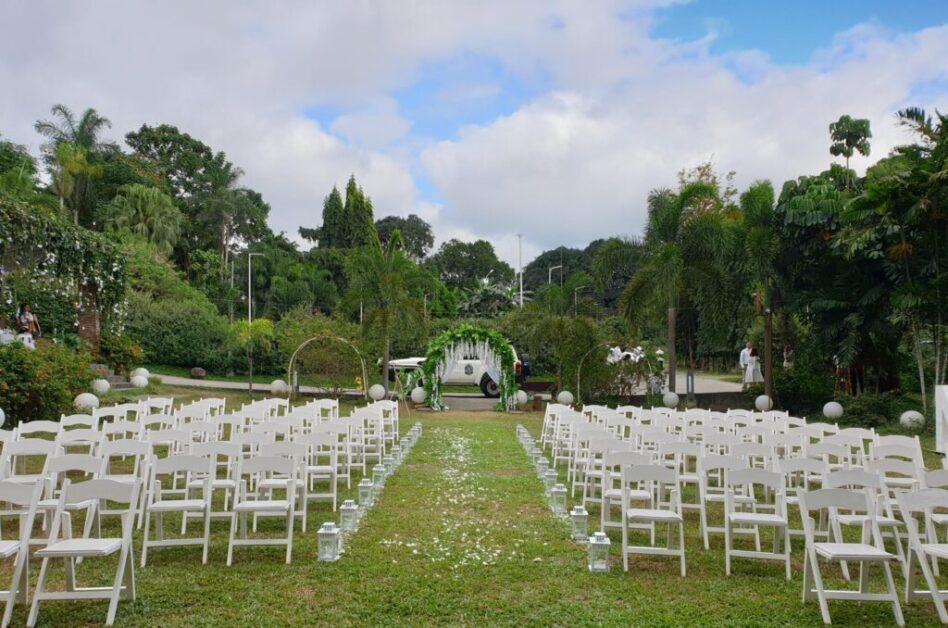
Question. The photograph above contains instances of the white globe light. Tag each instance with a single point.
(418, 395)
(139, 381)
(3, 417)
(833, 410)
(140, 372)
(86, 401)
(278, 386)
(522, 397)
(912, 420)
(763, 403)
(670, 400)
(376, 392)
(100, 386)
(565, 398)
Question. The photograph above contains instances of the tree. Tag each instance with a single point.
(333, 234)
(415, 232)
(467, 264)
(612, 266)
(384, 284)
(257, 334)
(536, 274)
(360, 220)
(147, 213)
(849, 135)
(83, 134)
(17, 170)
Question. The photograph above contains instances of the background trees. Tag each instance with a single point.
(468, 264)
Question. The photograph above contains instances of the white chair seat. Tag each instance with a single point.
(936, 549)
(81, 547)
(615, 494)
(31, 478)
(220, 483)
(9, 548)
(851, 551)
(321, 468)
(940, 518)
(177, 505)
(126, 478)
(50, 504)
(652, 514)
(757, 518)
(594, 473)
(274, 483)
(858, 520)
(738, 499)
(689, 478)
(263, 505)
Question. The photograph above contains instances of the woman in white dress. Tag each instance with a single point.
(752, 374)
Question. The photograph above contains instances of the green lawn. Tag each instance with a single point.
(461, 536)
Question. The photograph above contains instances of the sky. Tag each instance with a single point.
(548, 118)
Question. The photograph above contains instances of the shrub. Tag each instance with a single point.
(121, 353)
(40, 384)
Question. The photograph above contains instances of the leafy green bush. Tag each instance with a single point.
(177, 332)
(120, 352)
(870, 409)
(40, 384)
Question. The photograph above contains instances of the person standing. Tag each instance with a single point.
(752, 374)
(27, 322)
(743, 360)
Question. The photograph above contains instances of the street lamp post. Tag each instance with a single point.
(520, 264)
(250, 257)
(549, 278)
(576, 298)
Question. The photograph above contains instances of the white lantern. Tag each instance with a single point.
(599, 552)
(378, 477)
(558, 500)
(542, 466)
(86, 401)
(348, 516)
(279, 387)
(141, 372)
(549, 480)
(376, 392)
(522, 397)
(912, 420)
(389, 461)
(579, 522)
(328, 542)
(397, 454)
(100, 386)
(139, 381)
(763, 403)
(366, 494)
(3, 417)
(833, 410)
(418, 395)
(565, 397)
(670, 400)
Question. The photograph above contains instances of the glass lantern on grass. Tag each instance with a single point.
(542, 466)
(328, 542)
(397, 454)
(599, 552)
(535, 454)
(348, 516)
(389, 461)
(366, 494)
(549, 480)
(558, 500)
(579, 524)
(378, 476)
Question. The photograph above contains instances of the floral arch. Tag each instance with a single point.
(447, 349)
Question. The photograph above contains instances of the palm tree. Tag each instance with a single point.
(84, 134)
(384, 283)
(146, 212)
(850, 135)
(684, 239)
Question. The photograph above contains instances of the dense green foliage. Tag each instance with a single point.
(40, 384)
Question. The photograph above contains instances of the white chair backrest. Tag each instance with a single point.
(86, 421)
(28, 429)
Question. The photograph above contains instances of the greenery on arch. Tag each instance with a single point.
(439, 351)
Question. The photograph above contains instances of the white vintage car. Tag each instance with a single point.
(467, 372)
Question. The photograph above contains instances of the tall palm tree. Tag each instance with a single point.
(147, 212)
(85, 134)
(684, 237)
(384, 283)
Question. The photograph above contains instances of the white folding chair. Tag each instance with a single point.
(250, 500)
(768, 510)
(73, 548)
(663, 507)
(22, 500)
(165, 498)
(923, 543)
(321, 466)
(297, 452)
(81, 421)
(33, 429)
(868, 551)
(711, 489)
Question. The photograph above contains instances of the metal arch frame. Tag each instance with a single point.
(365, 378)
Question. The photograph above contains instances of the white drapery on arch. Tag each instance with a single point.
(456, 352)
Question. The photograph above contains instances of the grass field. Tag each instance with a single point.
(460, 536)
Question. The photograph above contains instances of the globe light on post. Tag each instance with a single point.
(912, 420)
(100, 386)
(86, 401)
(376, 392)
(558, 500)
(366, 494)
(328, 542)
(579, 524)
(418, 395)
(3, 417)
(141, 372)
(139, 381)
(598, 555)
(670, 400)
(833, 410)
(763, 403)
(565, 398)
(522, 398)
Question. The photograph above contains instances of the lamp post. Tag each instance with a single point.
(520, 264)
(549, 277)
(250, 257)
(576, 298)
